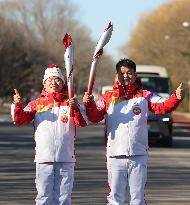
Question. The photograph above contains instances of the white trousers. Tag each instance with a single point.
(54, 183)
(127, 174)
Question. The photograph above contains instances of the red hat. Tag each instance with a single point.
(53, 70)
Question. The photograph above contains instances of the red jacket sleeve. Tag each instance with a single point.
(22, 116)
(164, 107)
(96, 111)
(80, 118)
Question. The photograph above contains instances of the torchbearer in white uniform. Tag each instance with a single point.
(55, 131)
(125, 110)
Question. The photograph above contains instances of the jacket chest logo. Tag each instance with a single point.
(136, 109)
(64, 116)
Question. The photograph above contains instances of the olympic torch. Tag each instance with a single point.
(104, 39)
(68, 57)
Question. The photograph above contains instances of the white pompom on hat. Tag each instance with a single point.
(53, 70)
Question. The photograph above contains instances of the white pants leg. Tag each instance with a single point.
(44, 183)
(54, 182)
(137, 177)
(64, 177)
(117, 180)
(127, 172)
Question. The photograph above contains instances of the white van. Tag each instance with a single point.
(151, 70)
(106, 88)
(155, 79)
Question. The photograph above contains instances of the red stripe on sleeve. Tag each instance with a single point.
(164, 107)
(78, 118)
(22, 117)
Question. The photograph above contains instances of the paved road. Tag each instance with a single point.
(168, 175)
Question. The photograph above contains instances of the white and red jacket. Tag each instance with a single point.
(55, 130)
(126, 112)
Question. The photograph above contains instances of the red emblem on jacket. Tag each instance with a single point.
(64, 118)
(136, 110)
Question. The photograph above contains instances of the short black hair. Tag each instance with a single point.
(126, 63)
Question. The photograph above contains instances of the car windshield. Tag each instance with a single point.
(155, 84)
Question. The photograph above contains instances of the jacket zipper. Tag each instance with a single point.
(129, 131)
(54, 138)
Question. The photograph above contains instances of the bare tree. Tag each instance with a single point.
(41, 26)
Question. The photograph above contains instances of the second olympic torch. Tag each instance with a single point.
(68, 57)
(104, 39)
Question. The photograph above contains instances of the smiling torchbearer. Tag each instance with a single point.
(104, 39)
(68, 57)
